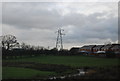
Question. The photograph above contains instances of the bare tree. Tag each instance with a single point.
(9, 41)
(25, 46)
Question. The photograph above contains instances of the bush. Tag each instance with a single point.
(110, 54)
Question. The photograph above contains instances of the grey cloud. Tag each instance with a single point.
(23, 16)
(91, 27)
(40, 20)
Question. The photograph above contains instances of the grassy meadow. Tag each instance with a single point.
(45, 66)
(74, 61)
(18, 73)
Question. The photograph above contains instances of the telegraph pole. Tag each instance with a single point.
(59, 41)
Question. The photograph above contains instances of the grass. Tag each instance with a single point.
(74, 61)
(23, 73)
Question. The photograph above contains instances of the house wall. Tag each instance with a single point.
(102, 48)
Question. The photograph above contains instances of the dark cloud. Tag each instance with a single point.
(36, 23)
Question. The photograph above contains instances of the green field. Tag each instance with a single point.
(45, 66)
(74, 61)
(18, 73)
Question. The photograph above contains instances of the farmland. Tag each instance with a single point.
(18, 73)
(74, 61)
(45, 66)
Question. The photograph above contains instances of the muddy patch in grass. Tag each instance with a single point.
(66, 72)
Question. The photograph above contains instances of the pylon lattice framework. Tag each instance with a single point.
(59, 41)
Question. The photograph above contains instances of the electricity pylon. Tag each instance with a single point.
(59, 41)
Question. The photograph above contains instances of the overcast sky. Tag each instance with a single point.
(83, 22)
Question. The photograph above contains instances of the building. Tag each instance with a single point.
(88, 48)
(74, 50)
(97, 48)
(100, 50)
(116, 48)
(107, 47)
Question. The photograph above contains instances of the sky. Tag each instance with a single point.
(84, 23)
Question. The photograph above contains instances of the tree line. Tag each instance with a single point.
(11, 48)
